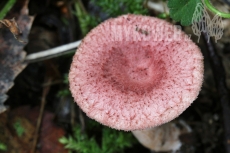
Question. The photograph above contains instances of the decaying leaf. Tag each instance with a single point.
(13, 27)
(17, 130)
(11, 54)
(9, 137)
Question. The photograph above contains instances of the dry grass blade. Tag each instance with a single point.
(12, 25)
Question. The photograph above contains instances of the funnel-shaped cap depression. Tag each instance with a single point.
(135, 72)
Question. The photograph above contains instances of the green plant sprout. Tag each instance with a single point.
(112, 141)
(19, 128)
(214, 10)
(3, 147)
(63, 93)
(162, 15)
(6, 8)
(86, 21)
(66, 79)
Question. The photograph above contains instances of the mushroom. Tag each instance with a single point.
(166, 137)
(135, 72)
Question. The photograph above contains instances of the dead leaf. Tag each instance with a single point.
(21, 143)
(9, 137)
(13, 27)
(50, 134)
(11, 51)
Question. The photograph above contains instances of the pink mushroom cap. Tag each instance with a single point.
(135, 72)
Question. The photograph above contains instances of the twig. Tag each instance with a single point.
(72, 113)
(82, 121)
(219, 76)
(43, 102)
(53, 52)
(52, 83)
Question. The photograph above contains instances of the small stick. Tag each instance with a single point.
(82, 121)
(43, 102)
(219, 76)
(72, 113)
(53, 52)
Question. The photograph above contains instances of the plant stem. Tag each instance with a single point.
(214, 10)
(81, 6)
(6, 8)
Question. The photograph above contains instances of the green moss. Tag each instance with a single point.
(110, 141)
(118, 7)
(112, 8)
(86, 21)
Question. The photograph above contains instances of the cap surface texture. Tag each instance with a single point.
(135, 72)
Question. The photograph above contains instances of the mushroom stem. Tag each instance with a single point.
(162, 138)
